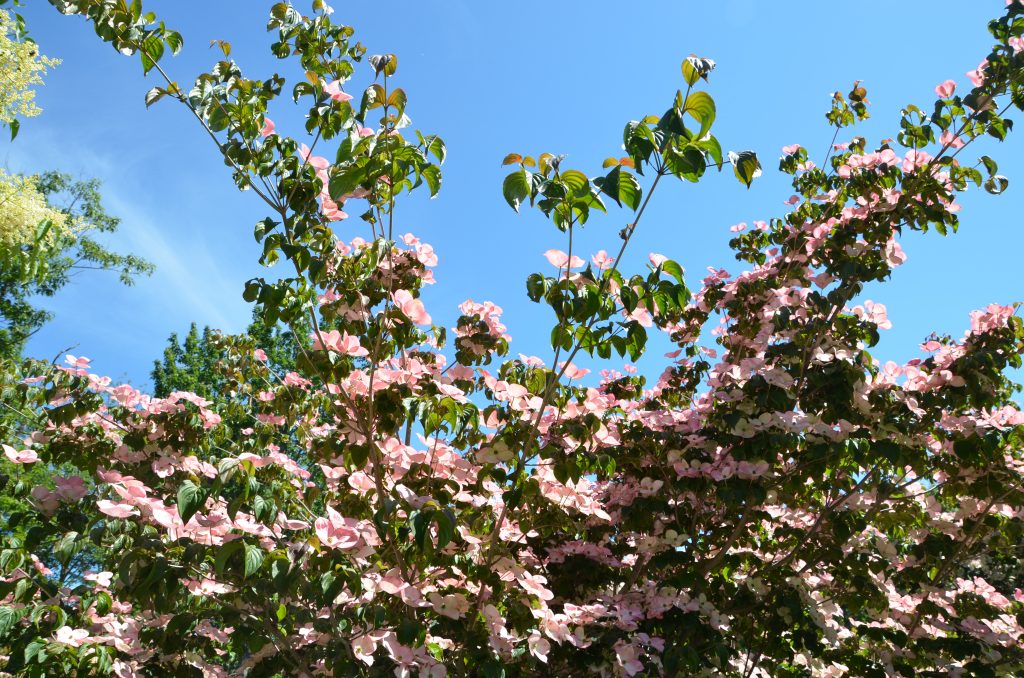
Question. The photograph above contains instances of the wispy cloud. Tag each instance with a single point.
(188, 275)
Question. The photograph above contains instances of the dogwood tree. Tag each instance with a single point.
(781, 504)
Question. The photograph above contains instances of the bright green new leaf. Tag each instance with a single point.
(516, 188)
(701, 106)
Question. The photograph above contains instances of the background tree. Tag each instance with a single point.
(60, 219)
(22, 66)
(50, 225)
(192, 364)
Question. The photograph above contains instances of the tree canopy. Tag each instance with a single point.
(409, 499)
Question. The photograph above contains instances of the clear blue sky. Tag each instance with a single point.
(493, 78)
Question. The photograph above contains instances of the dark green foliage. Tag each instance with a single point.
(191, 365)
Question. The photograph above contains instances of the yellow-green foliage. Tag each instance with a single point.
(23, 210)
(21, 68)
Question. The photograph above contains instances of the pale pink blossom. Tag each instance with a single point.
(945, 89)
(560, 259)
(66, 635)
(116, 510)
(977, 76)
(80, 362)
(573, 372)
(947, 139)
(339, 342)
(20, 456)
(101, 579)
(333, 90)
(602, 260)
(412, 308)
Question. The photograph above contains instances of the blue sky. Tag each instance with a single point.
(494, 78)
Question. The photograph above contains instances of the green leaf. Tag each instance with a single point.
(253, 559)
(702, 107)
(36, 648)
(152, 50)
(576, 181)
(746, 166)
(713, 149)
(432, 175)
(421, 528)
(190, 498)
(384, 63)
(174, 41)
(154, 95)
(437, 147)
(621, 186)
(398, 99)
(8, 618)
(996, 184)
(224, 553)
(516, 188)
(445, 527)
(103, 604)
(15, 125)
(686, 162)
(673, 269)
(695, 68)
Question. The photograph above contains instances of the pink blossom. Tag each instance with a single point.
(539, 646)
(875, 313)
(453, 606)
(66, 635)
(70, 489)
(330, 209)
(894, 254)
(977, 76)
(602, 260)
(411, 307)
(336, 531)
(333, 90)
(535, 584)
(80, 362)
(101, 579)
(560, 259)
(339, 343)
(20, 456)
(947, 139)
(206, 586)
(791, 149)
(628, 657)
(316, 161)
(363, 646)
(945, 89)
(573, 372)
(268, 127)
(116, 510)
